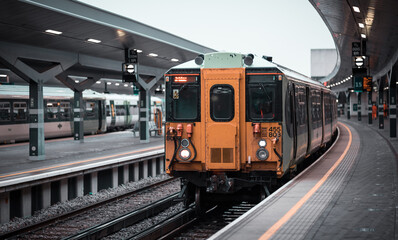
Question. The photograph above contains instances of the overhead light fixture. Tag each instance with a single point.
(126, 85)
(361, 25)
(132, 86)
(138, 50)
(53, 32)
(93, 40)
(76, 81)
(117, 84)
(3, 75)
(174, 60)
(152, 55)
(364, 57)
(356, 9)
(98, 82)
(109, 83)
(363, 35)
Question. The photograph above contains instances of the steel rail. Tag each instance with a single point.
(115, 225)
(45, 223)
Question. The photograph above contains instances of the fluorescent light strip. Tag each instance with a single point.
(93, 40)
(152, 55)
(361, 25)
(363, 35)
(174, 60)
(3, 75)
(53, 32)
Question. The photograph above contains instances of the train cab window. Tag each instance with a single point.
(90, 110)
(183, 98)
(5, 111)
(262, 101)
(64, 110)
(108, 111)
(52, 110)
(222, 103)
(20, 111)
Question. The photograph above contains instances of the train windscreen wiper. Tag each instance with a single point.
(266, 92)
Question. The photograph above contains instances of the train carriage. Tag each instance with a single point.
(236, 122)
(101, 112)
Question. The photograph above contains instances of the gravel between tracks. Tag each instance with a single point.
(79, 202)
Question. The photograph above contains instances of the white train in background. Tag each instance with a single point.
(102, 112)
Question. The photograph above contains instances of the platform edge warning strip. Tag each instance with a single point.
(274, 228)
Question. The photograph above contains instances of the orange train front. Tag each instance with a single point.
(238, 122)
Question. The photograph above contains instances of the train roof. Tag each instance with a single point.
(236, 60)
(20, 91)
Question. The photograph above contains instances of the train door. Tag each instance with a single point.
(323, 117)
(222, 119)
(113, 113)
(100, 116)
(293, 118)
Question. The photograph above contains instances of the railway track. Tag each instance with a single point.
(72, 222)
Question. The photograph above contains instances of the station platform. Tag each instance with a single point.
(350, 193)
(66, 152)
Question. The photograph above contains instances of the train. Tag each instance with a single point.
(237, 122)
(102, 112)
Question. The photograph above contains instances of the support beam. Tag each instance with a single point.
(78, 129)
(145, 104)
(348, 105)
(370, 119)
(94, 182)
(46, 188)
(80, 185)
(359, 107)
(393, 102)
(36, 121)
(381, 112)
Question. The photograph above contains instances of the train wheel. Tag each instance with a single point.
(199, 201)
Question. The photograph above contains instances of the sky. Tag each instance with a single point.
(287, 30)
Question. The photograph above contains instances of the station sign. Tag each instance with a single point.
(356, 49)
(358, 84)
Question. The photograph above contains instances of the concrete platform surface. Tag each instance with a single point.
(62, 153)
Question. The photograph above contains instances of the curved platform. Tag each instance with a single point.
(348, 193)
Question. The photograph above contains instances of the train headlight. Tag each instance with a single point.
(262, 154)
(185, 154)
(262, 143)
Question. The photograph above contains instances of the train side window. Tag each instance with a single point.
(222, 103)
(90, 110)
(108, 110)
(5, 111)
(20, 111)
(65, 110)
(120, 110)
(52, 110)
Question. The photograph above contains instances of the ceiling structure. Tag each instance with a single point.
(23, 25)
(373, 22)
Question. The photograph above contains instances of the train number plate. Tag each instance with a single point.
(271, 132)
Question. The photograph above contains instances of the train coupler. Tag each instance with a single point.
(220, 183)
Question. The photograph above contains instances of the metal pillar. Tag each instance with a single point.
(359, 107)
(26, 202)
(36, 121)
(348, 105)
(4, 207)
(46, 188)
(393, 103)
(381, 113)
(78, 130)
(145, 105)
(370, 120)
